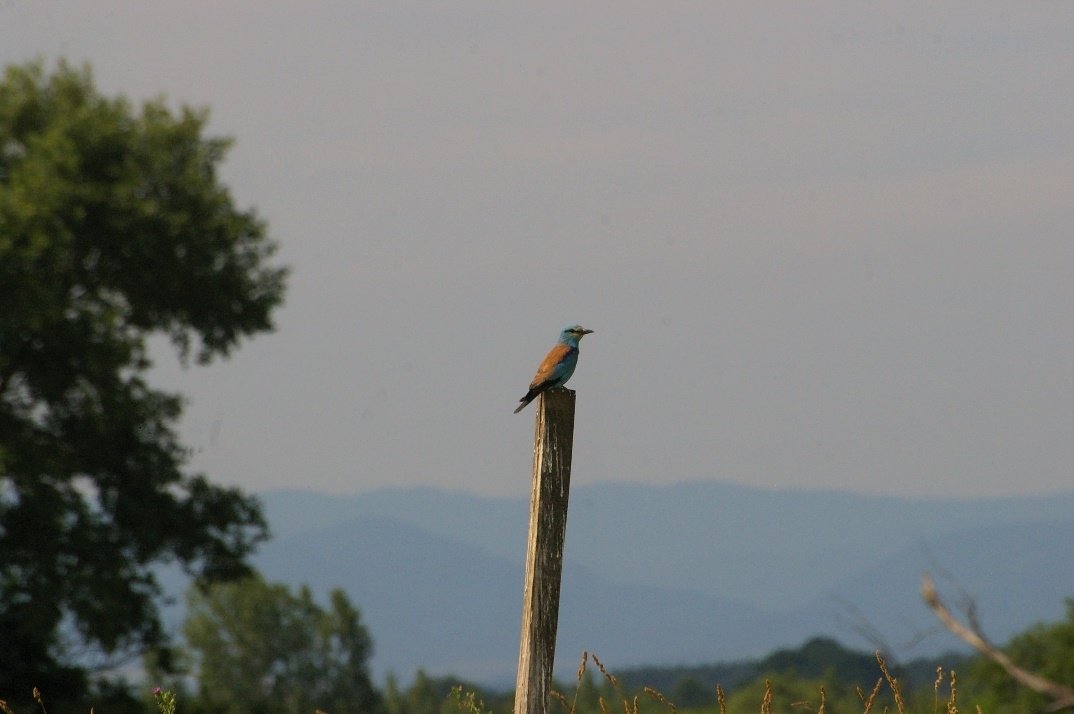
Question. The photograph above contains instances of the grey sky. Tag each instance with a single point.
(823, 245)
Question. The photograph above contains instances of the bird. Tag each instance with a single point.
(558, 364)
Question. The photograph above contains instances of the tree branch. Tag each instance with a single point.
(1062, 696)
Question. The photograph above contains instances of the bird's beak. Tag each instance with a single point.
(587, 332)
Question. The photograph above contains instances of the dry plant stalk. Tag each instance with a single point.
(567, 706)
(607, 675)
(952, 700)
(1061, 695)
(578, 686)
(806, 705)
(766, 702)
(721, 699)
(893, 683)
(868, 703)
(628, 707)
(936, 689)
(660, 698)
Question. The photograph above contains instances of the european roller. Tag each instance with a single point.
(558, 364)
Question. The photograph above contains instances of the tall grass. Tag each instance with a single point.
(885, 697)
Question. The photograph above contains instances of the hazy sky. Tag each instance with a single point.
(823, 245)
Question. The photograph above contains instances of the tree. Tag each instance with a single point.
(424, 696)
(113, 227)
(261, 649)
(690, 693)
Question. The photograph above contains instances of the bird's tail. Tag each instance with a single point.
(529, 397)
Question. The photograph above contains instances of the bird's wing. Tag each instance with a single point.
(553, 364)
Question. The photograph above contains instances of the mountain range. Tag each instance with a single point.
(661, 575)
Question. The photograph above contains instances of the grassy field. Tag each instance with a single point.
(604, 694)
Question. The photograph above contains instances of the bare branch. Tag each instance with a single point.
(856, 621)
(1062, 696)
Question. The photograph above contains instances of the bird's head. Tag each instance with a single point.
(573, 334)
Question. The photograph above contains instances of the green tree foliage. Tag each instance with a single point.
(689, 692)
(113, 227)
(819, 658)
(822, 657)
(424, 696)
(442, 695)
(261, 649)
(1044, 649)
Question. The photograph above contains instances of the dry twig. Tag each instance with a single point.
(1062, 696)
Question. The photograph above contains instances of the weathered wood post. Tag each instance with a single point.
(552, 445)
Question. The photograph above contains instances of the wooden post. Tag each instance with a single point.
(552, 445)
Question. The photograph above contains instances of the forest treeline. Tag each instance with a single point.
(816, 659)
(819, 675)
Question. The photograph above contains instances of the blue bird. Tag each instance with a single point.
(558, 364)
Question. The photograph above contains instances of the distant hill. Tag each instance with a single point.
(737, 542)
(696, 573)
